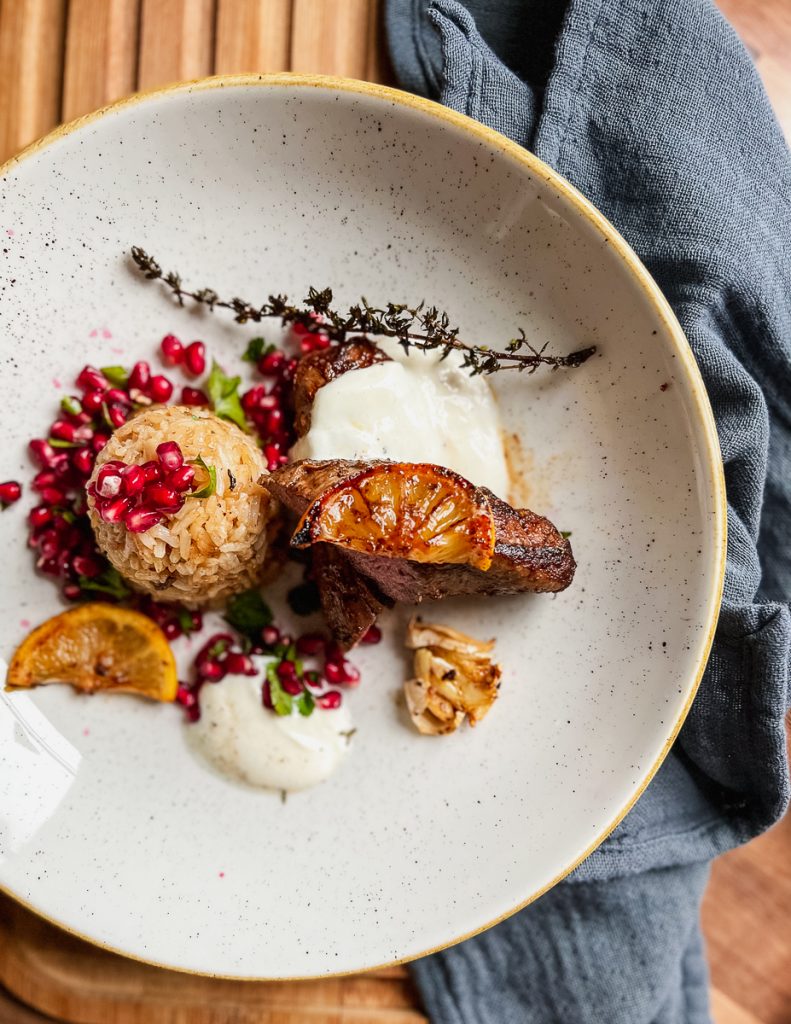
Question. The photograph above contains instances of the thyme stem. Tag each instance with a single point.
(422, 327)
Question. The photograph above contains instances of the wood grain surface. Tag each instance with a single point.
(63, 58)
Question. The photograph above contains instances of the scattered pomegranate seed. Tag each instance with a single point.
(139, 376)
(195, 358)
(238, 664)
(99, 441)
(117, 395)
(271, 364)
(172, 630)
(82, 460)
(170, 456)
(92, 401)
(72, 591)
(313, 679)
(172, 350)
(270, 635)
(186, 696)
(116, 415)
(43, 453)
(311, 644)
(333, 673)
(40, 516)
(86, 566)
(266, 696)
(329, 700)
(138, 520)
(211, 670)
(90, 379)
(193, 396)
(63, 431)
(274, 421)
(10, 491)
(373, 636)
(351, 674)
(160, 389)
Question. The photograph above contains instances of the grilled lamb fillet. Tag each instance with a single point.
(530, 555)
(319, 368)
(351, 603)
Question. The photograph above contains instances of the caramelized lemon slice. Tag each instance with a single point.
(97, 647)
(404, 510)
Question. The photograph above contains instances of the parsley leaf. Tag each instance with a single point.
(211, 486)
(248, 613)
(185, 621)
(256, 348)
(565, 534)
(117, 375)
(223, 394)
(109, 582)
(71, 404)
(281, 701)
(305, 703)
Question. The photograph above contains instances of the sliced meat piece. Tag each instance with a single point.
(319, 368)
(530, 555)
(351, 603)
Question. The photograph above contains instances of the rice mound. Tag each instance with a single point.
(212, 547)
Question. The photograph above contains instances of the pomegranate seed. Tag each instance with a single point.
(289, 369)
(91, 379)
(160, 389)
(92, 401)
(193, 396)
(321, 341)
(172, 630)
(251, 398)
(274, 421)
(72, 591)
(63, 431)
(43, 453)
(158, 496)
(116, 415)
(83, 433)
(40, 516)
(292, 686)
(238, 664)
(172, 350)
(181, 479)
(211, 670)
(170, 456)
(82, 459)
(272, 456)
(49, 566)
(186, 696)
(333, 673)
(312, 679)
(52, 495)
(329, 700)
(300, 330)
(132, 480)
(311, 643)
(373, 636)
(86, 566)
(116, 395)
(197, 621)
(151, 470)
(272, 364)
(49, 544)
(139, 520)
(286, 670)
(46, 478)
(266, 696)
(195, 358)
(113, 510)
(60, 465)
(10, 491)
(351, 674)
(270, 635)
(99, 441)
(108, 482)
(139, 376)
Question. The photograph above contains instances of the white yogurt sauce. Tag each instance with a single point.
(247, 741)
(413, 409)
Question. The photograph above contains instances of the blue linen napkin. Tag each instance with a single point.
(654, 111)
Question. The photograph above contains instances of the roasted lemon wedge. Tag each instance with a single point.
(407, 510)
(97, 647)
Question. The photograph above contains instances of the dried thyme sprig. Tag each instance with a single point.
(422, 327)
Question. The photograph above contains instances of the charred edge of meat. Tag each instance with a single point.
(318, 368)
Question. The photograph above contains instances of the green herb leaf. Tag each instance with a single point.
(223, 394)
(56, 442)
(248, 613)
(109, 582)
(117, 375)
(185, 621)
(305, 703)
(71, 405)
(217, 649)
(211, 486)
(565, 534)
(282, 702)
(256, 348)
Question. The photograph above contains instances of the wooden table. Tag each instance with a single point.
(63, 58)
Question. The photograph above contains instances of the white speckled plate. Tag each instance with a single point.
(108, 826)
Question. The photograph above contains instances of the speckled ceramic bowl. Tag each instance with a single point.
(255, 185)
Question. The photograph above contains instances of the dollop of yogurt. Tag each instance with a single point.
(247, 741)
(416, 408)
